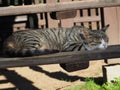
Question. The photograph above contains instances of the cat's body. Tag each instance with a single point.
(45, 41)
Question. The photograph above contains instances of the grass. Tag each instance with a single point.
(91, 85)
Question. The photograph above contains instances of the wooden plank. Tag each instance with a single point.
(52, 23)
(68, 22)
(29, 9)
(41, 21)
(21, 18)
(110, 17)
(77, 16)
(19, 26)
(118, 16)
(101, 16)
(66, 14)
(70, 67)
(87, 19)
(93, 23)
(63, 57)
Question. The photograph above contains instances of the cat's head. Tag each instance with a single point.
(95, 39)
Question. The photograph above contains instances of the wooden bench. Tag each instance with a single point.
(63, 57)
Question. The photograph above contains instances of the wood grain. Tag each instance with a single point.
(29, 9)
(63, 57)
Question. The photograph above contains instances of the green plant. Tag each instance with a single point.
(112, 85)
(16, 89)
(91, 85)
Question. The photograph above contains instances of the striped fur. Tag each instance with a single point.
(45, 41)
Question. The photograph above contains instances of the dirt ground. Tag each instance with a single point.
(46, 77)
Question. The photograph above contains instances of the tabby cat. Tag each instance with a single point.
(45, 41)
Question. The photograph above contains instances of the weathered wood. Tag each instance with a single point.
(63, 57)
(112, 17)
(87, 19)
(29, 9)
(70, 67)
(66, 14)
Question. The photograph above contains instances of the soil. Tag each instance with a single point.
(47, 77)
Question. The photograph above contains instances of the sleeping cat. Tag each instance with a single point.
(45, 41)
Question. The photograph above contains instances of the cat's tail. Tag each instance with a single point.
(27, 52)
(11, 50)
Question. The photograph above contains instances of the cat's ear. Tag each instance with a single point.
(105, 28)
